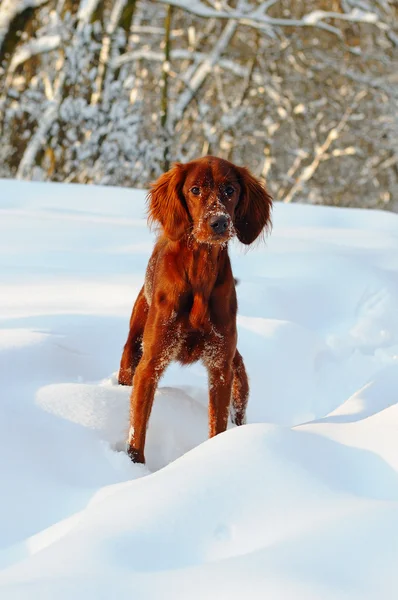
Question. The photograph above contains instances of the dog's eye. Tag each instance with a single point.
(195, 190)
(229, 190)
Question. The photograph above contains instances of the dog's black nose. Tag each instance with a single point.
(219, 224)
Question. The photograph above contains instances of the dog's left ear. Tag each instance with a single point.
(253, 213)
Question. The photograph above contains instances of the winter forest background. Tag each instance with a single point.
(302, 92)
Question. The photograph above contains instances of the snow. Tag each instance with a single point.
(301, 503)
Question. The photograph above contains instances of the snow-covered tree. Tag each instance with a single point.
(112, 91)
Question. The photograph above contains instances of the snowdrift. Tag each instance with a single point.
(300, 504)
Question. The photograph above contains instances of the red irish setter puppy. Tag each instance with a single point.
(186, 310)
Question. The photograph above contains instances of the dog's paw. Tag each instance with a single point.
(125, 377)
(137, 456)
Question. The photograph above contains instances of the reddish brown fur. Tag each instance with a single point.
(186, 310)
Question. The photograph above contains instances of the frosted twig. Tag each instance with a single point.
(259, 20)
(34, 47)
(39, 137)
(86, 11)
(321, 151)
(105, 49)
(202, 72)
(9, 9)
(181, 54)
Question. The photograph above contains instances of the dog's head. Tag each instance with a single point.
(212, 200)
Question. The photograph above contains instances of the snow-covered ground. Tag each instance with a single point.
(300, 504)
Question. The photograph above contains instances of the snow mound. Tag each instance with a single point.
(300, 504)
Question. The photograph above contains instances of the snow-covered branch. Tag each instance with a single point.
(321, 151)
(181, 54)
(202, 72)
(86, 10)
(106, 46)
(32, 48)
(258, 18)
(9, 9)
(40, 135)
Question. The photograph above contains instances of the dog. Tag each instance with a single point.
(186, 309)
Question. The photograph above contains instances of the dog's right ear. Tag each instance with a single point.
(166, 203)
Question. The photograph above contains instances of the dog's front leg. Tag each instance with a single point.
(218, 360)
(220, 389)
(159, 348)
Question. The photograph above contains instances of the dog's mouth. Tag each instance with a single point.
(221, 238)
